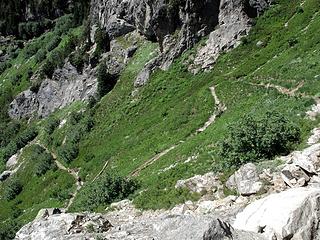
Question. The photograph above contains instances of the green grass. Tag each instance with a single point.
(51, 189)
(129, 130)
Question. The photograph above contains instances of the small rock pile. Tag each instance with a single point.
(302, 167)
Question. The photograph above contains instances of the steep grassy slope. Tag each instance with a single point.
(152, 135)
(131, 130)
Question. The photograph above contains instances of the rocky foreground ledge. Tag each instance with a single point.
(292, 214)
(272, 203)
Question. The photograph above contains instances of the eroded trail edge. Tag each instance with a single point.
(219, 108)
(73, 172)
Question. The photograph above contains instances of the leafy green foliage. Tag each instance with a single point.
(8, 229)
(81, 124)
(8, 131)
(53, 43)
(255, 138)
(19, 142)
(4, 66)
(42, 160)
(13, 15)
(51, 125)
(27, 30)
(56, 57)
(79, 58)
(102, 40)
(12, 189)
(106, 189)
(31, 49)
(40, 55)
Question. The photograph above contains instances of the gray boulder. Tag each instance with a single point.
(208, 183)
(121, 225)
(292, 214)
(245, 180)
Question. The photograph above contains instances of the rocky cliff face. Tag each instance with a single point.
(178, 26)
(175, 25)
(68, 85)
(65, 87)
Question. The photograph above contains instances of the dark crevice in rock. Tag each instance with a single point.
(250, 10)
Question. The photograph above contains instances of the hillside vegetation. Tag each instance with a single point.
(142, 143)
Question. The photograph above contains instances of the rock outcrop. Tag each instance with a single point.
(302, 167)
(178, 26)
(292, 214)
(234, 23)
(208, 183)
(68, 85)
(65, 87)
(128, 223)
(246, 180)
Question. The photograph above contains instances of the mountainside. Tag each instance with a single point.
(193, 110)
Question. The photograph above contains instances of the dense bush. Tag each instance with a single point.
(32, 29)
(63, 24)
(106, 189)
(16, 79)
(48, 67)
(35, 85)
(42, 160)
(4, 66)
(254, 138)
(8, 229)
(57, 56)
(102, 40)
(31, 49)
(81, 124)
(51, 124)
(12, 189)
(13, 15)
(68, 152)
(19, 142)
(79, 58)
(53, 43)
(40, 55)
(8, 131)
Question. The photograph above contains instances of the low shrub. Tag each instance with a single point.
(19, 142)
(106, 189)
(68, 152)
(81, 125)
(102, 40)
(53, 43)
(40, 55)
(255, 138)
(51, 125)
(8, 229)
(79, 58)
(31, 49)
(12, 189)
(42, 160)
(4, 66)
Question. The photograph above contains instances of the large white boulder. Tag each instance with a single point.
(246, 180)
(292, 214)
